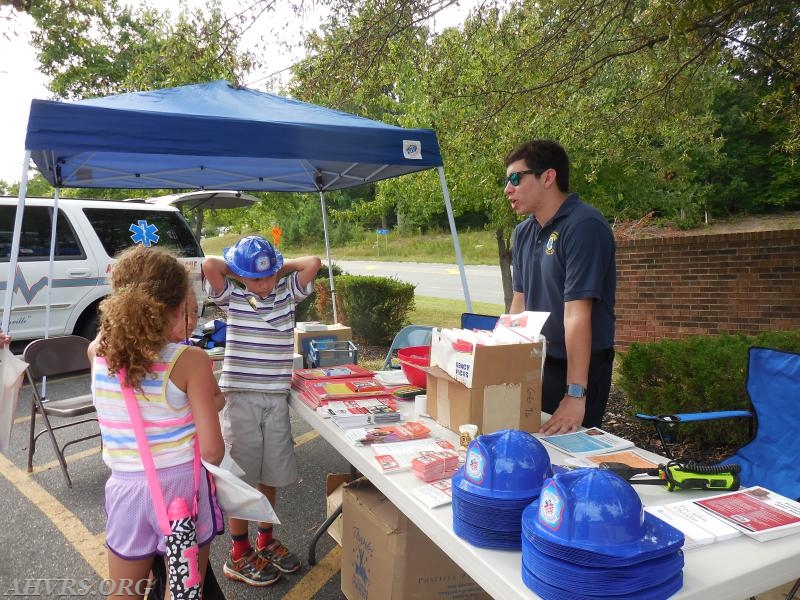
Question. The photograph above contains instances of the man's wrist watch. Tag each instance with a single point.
(575, 390)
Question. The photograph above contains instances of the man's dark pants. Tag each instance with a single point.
(554, 385)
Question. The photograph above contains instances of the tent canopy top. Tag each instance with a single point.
(218, 136)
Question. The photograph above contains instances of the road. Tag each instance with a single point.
(436, 279)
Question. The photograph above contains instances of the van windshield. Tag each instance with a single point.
(120, 228)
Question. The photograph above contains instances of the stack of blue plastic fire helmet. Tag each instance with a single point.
(587, 536)
(503, 472)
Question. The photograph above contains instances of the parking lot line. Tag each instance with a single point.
(317, 576)
(306, 437)
(80, 538)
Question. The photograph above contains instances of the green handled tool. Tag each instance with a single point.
(681, 476)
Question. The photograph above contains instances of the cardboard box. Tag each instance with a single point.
(331, 332)
(334, 484)
(386, 557)
(505, 391)
(465, 355)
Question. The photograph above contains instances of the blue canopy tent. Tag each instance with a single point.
(219, 136)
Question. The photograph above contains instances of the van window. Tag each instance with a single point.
(113, 227)
(35, 239)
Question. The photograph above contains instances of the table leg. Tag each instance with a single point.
(312, 547)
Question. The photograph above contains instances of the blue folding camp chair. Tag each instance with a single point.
(408, 336)
(476, 321)
(769, 459)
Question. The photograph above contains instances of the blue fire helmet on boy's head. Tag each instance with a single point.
(253, 257)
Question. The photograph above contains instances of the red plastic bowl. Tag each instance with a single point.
(415, 355)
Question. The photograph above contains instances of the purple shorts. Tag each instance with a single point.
(132, 530)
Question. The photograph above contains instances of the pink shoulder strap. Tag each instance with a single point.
(147, 457)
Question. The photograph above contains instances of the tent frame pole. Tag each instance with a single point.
(50, 266)
(454, 233)
(328, 252)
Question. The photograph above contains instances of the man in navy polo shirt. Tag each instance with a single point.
(563, 263)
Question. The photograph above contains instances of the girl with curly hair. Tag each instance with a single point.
(142, 325)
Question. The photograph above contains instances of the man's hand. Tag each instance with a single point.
(567, 418)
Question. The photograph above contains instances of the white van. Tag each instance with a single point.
(89, 234)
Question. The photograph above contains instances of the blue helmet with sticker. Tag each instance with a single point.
(595, 510)
(507, 464)
(253, 257)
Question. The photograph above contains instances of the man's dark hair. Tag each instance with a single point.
(544, 154)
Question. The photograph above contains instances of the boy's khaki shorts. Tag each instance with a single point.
(258, 435)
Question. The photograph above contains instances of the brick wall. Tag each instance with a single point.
(707, 285)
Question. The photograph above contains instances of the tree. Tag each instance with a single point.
(628, 88)
(101, 48)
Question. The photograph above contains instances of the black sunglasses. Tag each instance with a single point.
(514, 177)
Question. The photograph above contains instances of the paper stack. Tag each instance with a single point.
(586, 442)
(360, 436)
(430, 466)
(757, 512)
(397, 456)
(361, 411)
(698, 526)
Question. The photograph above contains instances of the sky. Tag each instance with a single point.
(21, 82)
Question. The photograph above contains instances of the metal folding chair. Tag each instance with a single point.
(49, 358)
(408, 336)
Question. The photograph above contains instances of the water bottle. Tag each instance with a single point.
(183, 565)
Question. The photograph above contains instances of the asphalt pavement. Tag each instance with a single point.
(438, 280)
(52, 537)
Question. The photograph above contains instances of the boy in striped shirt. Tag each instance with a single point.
(256, 376)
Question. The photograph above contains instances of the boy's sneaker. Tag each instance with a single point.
(252, 569)
(280, 556)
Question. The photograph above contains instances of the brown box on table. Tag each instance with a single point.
(506, 390)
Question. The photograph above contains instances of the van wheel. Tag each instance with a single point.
(88, 328)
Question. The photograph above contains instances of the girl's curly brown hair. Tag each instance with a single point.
(148, 284)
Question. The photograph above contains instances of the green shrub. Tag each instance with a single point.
(695, 375)
(375, 308)
(307, 309)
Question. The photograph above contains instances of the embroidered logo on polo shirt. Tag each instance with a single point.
(551, 242)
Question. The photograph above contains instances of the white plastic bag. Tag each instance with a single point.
(237, 498)
(12, 373)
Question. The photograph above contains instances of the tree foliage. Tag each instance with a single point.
(666, 105)
(98, 48)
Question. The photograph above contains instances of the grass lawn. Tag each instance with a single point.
(444, 312)
(477, 248)
(436, 312)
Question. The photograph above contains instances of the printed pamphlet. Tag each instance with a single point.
(334, 372)
(756, 511)
(587, 442)
(699, 527)
(340, 389)
(436, 493)
(361, 436)
(359, 412)
(631, 458)
(397, 456)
